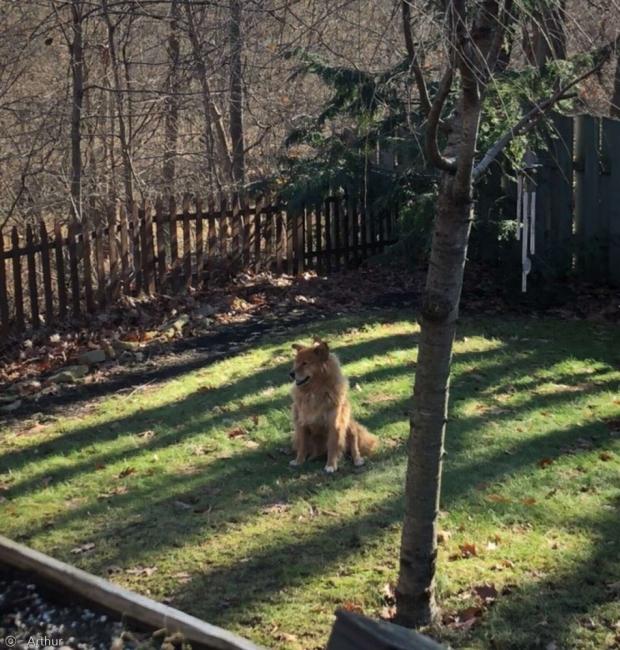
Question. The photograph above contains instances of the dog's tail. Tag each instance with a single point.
(366, 440)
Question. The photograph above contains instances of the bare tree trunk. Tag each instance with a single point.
(475, 52)
(77, 75)
(171, 104)
(236, 94)
(120, 108)
(416, 584)
(548, 36)
(614, 110)
(212, 115)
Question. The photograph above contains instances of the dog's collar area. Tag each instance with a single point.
(303, 381)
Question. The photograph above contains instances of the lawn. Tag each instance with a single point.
(182, 491)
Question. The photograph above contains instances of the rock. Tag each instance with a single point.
(91, 357)
(180, 322)
(204, 311)
(55, 338)
(28, 386)
(12, 406)
(129, 346)
(7, 399)
(109, 350)
(69, 375)
(139, 357)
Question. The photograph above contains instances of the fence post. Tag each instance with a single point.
(200, 260)
(187, 245)
(60, 271)
(73, 268)
(47, 273)
(32, 277)
(174, 243)
(587, 214)
(115, 281)
(610, 194)
(4, 298)
(86, 255)
(17, 280)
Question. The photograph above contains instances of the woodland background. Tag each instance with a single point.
(109, 100)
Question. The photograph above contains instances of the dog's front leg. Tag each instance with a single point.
(300, 446)
(336, 438)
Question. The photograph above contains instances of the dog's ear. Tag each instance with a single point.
(297, 347)
(321, 349)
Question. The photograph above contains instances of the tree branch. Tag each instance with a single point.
(414, 63)
(432, 123)
(531, 118)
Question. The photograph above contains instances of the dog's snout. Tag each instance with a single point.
(292, 374)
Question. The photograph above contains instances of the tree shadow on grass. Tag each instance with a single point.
(148, 521)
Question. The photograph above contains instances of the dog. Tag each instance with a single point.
(322, 412)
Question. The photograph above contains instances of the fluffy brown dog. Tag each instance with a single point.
(321, 410)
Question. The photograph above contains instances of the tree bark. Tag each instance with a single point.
(236, 94)
(614, 110)
(120, 108)
(77, 75)
(416, 584)
(214, 123)
(171, 104)
(477, 50)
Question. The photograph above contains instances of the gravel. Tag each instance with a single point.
(33, 616)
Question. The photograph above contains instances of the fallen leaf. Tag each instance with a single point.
(443, 536)
(147, 435)
(529, 501)
(83, 548)
(237, 432)
(127, 472)
(497, 498)
(468, 550)
(486, 592)
(545, 462)
(350, 606)
(142, 571)
(605, 456)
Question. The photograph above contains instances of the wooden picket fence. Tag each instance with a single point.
(74, 270)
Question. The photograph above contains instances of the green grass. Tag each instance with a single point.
(221, 527)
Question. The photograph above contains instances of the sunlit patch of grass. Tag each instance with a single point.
(185, 489)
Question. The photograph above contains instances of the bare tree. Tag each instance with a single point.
(614, 110)
(475, 34)
(119, 98)
(215, 137)
(236, 94)
(171, 103)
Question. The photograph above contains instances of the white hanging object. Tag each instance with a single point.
(526, 213)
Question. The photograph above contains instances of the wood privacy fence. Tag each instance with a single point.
(50, 274)
(577, 201)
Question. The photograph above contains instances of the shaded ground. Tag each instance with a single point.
(183, 492)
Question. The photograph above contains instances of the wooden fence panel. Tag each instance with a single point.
(610, 194)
